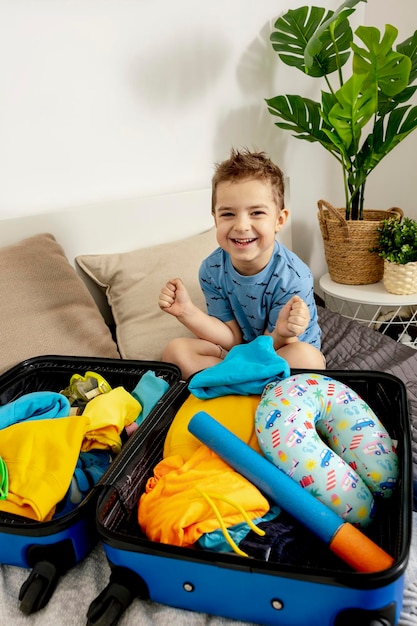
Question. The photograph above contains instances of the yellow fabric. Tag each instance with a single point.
(236, 413)
(109, 413)
(41, 456)
(173, 511)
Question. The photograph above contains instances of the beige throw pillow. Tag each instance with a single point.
(45, 308)
(133, 280)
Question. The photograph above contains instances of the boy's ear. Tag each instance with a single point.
(281, 219)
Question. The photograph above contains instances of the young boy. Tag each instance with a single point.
(252, 284)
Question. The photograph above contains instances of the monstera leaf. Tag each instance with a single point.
(330, 27)
(295, 29)
(390, 131)
(371, 99)
(409, 48)
(379, 63)
(355, 106)
(301, 115)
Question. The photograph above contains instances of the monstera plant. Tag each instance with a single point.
(367, 81)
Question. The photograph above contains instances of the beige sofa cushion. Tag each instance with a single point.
(133, 280)
(45, 308)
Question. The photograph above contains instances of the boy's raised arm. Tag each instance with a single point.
(175, 300)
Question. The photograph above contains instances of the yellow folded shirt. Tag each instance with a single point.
(109, 413)
(41, 456)
(236, 413)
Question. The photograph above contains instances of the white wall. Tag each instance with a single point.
(102, 98)
(107, 99)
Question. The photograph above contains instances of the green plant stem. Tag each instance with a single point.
(355, 202)
(362, 199)
(339, 64)
(346, 188)
(329, 85)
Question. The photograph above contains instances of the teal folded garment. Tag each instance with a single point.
(245, 371)
(35, 405)
(148, 392)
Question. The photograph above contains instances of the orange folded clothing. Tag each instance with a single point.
(173, 509)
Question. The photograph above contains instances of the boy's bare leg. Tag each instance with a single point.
(192, 355)
(301, 355)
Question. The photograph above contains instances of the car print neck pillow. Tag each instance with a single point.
(322, 434)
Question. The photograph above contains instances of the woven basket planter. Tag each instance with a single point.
(400, 279)
(347, 244)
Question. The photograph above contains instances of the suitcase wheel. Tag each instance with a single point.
(111, 603)
(385, 616)
(39, 587)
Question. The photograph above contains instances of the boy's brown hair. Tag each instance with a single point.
(243, 165)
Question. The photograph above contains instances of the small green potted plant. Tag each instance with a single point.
(397, 246)
(362, 116)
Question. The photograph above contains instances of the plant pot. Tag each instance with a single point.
(400, 279)
(347, 244)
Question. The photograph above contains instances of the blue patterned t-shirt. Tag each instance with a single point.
(255, 301)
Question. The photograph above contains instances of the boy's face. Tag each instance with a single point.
(247, 219)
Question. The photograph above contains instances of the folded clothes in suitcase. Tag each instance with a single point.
(316, 588)
(50, 545)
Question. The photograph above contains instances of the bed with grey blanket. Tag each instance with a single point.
(347, 345)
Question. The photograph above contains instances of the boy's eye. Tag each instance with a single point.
(226, 214)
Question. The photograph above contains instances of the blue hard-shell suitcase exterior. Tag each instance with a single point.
(249, 589)
(50, 548)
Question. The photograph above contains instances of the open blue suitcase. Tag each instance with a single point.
(249, 589)
(50, 548)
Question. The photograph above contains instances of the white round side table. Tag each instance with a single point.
(375, 307)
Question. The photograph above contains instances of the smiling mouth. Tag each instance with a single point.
(243, 242)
